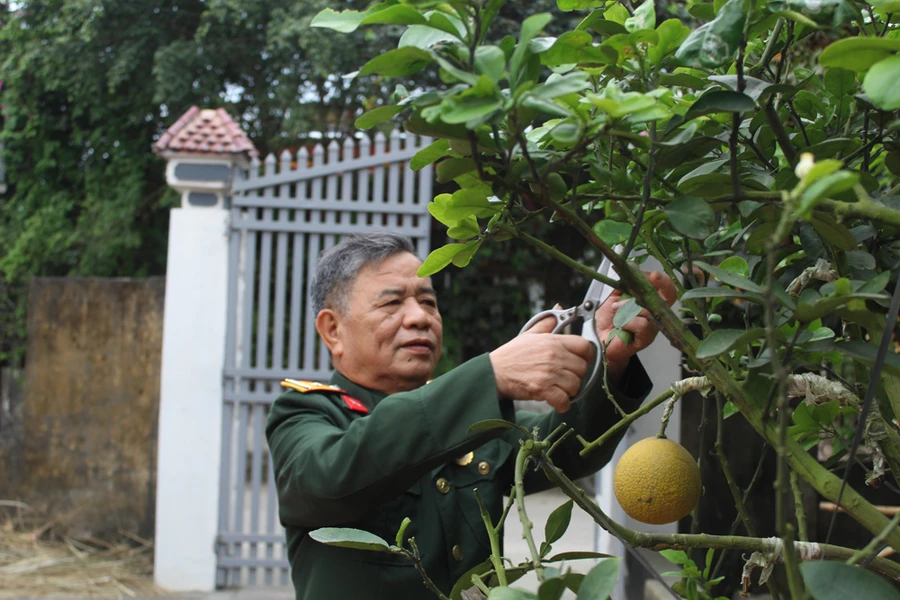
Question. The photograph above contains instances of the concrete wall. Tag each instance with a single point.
(87, 453)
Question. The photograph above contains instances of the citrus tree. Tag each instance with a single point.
(748, 146)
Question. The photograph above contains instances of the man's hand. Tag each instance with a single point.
(617, 353)
(539, 365)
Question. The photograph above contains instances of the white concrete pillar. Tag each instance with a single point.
(193, 354)
(190, 413)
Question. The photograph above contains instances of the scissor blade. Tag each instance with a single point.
(599, 290)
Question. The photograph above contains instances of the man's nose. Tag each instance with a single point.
(416, 315)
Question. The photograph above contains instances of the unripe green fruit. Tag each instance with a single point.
(842, 287)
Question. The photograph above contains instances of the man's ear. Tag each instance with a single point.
(328, 325)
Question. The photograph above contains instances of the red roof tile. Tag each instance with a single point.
(206, 131)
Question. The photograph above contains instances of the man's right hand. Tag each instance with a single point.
(539, 365)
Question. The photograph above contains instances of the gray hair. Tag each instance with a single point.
(339, 266)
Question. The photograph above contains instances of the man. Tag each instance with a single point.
(380, 445)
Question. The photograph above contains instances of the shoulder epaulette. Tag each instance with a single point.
(304, 387)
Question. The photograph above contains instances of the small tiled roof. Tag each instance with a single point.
(206, 131)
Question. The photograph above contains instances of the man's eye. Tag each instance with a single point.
(430, 302)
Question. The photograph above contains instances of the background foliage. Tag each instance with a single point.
(88, 85)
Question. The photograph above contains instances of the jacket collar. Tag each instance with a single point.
(370, 398)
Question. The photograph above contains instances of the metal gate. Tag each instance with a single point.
(284, 212)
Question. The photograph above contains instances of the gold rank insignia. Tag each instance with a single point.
(309, 386)
(465, 460)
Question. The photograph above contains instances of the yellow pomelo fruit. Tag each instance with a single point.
(657, 481)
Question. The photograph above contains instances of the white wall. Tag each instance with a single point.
(190, 415)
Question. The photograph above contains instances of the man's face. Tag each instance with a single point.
(389, 337)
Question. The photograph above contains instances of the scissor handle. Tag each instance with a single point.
(562, 317)
(565, 317)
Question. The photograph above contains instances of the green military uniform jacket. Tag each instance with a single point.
(365, 460)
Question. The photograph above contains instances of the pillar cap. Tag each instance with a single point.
(205, 132)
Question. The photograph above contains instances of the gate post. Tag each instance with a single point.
(204, 149)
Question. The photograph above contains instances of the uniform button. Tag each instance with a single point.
(443, 486)
(484, 468)
(457, 553)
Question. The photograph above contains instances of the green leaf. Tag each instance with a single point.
(398, 62)
(866, 352)
(560, 85)
(840, 82)
(399, 14)
(466, 109)
(809, 312)
(679, 557)
(349, 538)
(876, 284)
(723, 340)
(467, 202)
(465, 582)
(737, 265)
(720, 101)
(822, 168)
(491, 62)
(626, 313)
(644, 17)
(888, 6)
(730, 278)
(496, 424)
(464, 257)
(882, 83)
(826, 187)
(558, 522)
(690, 216)
(345, 21)
(530, 28)
(576, 555)
(566, 132)
(439, 258)
(376, 116)
(600, 580)
(424, 37)
(832, 231)
(832, 580)
(715, 43)
(671, 34)
(754, 88)
(430, 154)
(570, 5)
(451, 168)
(508, 593)
(403, 525)
(448, 24)
(463, 229)
(577, 47)
(858, 53)
(613, 232)
(814, 13)
(551, 588)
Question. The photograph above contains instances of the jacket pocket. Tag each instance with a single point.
(390, 515)
(482, 474)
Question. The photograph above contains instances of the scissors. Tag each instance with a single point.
(584, 313)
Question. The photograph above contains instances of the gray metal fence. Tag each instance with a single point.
(285, 211)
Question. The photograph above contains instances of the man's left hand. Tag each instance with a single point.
(617, 352)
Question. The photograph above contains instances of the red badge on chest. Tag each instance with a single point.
(354, 404)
